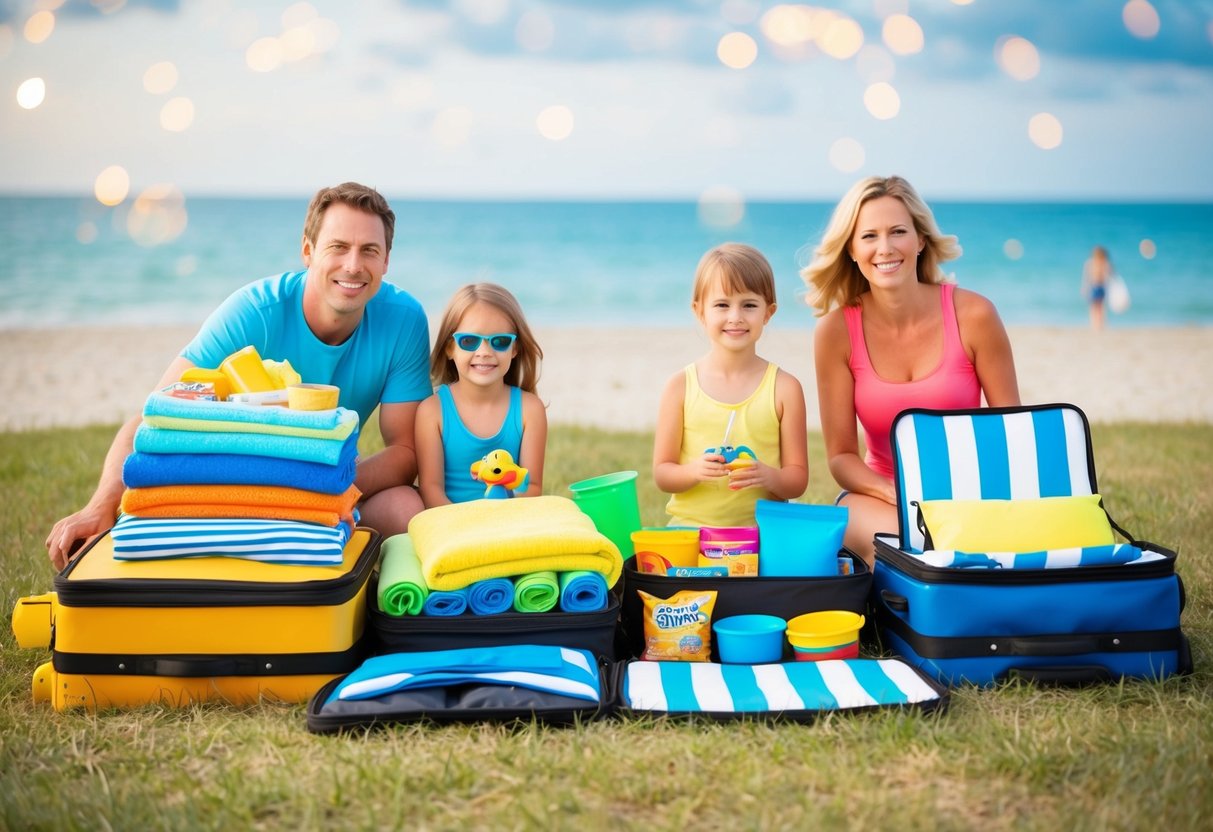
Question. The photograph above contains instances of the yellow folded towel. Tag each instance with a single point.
(462, 543)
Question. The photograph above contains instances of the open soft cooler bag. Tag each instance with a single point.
(126, 633)
(781, 596)
(561, 686)
(1072, 614)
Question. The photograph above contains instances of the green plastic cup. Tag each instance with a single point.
(610, 501)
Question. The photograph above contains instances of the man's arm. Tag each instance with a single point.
(102, 508)
(396, 464)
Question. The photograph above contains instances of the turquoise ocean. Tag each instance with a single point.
(71, 261)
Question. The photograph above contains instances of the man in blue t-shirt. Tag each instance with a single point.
(337, 323)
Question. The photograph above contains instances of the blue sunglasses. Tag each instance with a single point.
(471, 341)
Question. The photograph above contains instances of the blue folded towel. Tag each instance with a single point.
(269, 541)
(1109, 555)
(490, 597)
(582, 591)
(450, 602)
(150, 470)
(152, 440)
(158, 404)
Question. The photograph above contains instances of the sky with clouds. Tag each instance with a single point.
(651, 99)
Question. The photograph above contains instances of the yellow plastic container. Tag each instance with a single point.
(832, 634)
(659, 550)
(217, 378)
(245, 371)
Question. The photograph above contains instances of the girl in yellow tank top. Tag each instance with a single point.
(731, 427)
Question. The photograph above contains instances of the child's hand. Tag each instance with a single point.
(749, 473)
(709, 467)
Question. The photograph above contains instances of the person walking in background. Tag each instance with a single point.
(893, 335)
(730, 396)
(1097, 274)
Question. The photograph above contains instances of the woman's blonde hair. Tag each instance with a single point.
(834, 277)
(524, 370)
(736, 267)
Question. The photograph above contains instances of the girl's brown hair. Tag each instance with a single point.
(524, 369)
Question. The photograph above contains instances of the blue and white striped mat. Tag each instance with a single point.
(700, 687)
(1115, 554)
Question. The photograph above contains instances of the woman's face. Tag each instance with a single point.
(885, 243)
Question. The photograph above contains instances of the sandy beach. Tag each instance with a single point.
(611, 378)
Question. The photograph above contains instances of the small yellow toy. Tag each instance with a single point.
(500, 475)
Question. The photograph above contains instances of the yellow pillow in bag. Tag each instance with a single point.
(1015, 525)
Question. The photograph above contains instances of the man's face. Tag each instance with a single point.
(347, 261)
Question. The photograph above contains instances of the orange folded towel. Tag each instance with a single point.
(269, 502)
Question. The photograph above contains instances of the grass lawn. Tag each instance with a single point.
(1126, 756)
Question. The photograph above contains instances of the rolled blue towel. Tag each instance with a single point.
(491, 596)
(582, 591)
(453, 602)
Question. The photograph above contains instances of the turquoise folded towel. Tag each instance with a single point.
(163, 441)
(450, 602)
(158, 404)
(582, 591)
(491, 596)
(402, 589)
(536, 592)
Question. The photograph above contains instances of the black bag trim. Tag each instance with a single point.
(152, 592)
(176, 664)
(913, 567)
(969, 647)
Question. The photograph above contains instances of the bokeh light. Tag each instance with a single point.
(721, 207)
(1013, 249)
(1147, 249)
(961, 2)
(157, 216)
(264, 55)
(86, 232)
(874, 63)
(737, 50)
(160, 78)
(1017, 57)
(31, 93)
(902, 34)
(847, 155)
(112, 185)
(298, 42)
(1044, 129)
(841, 38)
(882, 101)
(300, 14)
(177, 114)
(555, 123)
(1141, 19)
(39, 26)
(452, 127)
(483, 12)
(787, 25)
(534, 31)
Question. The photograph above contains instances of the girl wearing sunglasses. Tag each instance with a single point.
(485, 365)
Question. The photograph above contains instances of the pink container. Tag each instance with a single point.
(735, 547)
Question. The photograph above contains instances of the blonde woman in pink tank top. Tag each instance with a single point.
(893, 335)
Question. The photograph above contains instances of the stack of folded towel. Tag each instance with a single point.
(491, 556)
(223, 478)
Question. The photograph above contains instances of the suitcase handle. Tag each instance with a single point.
(189, 667)
(1059, 647)
(1076, 674)
(895, 602)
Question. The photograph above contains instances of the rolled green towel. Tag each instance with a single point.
(402, 588)
(536, 592)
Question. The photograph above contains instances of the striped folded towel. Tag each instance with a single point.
(700, 687)
(1115, 554)
(284, 542)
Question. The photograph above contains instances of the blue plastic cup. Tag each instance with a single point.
(750, 639)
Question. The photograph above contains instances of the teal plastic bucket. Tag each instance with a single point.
(610, 501)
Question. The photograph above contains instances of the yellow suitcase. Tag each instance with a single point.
(129, 633)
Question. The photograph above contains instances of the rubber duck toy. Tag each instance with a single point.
(735, 458)
(501, 477)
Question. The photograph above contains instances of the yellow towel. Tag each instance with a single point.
(462, 543)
